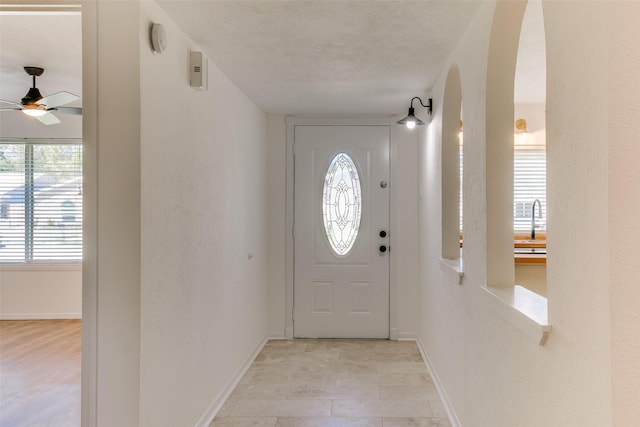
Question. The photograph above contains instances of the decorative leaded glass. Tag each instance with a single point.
(341, 203)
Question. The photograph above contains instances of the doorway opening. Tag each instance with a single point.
(41, 215)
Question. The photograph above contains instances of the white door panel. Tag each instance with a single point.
(341, 295)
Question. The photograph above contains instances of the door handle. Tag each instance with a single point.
(382, 248)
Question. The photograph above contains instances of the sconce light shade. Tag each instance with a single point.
(411, 120)
(521, 126)
(521, 132)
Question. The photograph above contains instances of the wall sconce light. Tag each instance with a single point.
(411, 120)
(460, 132)
(521, 126)
(521, 132)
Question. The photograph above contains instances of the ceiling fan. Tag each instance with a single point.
(35, 105)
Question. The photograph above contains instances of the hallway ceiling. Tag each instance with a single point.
(293, 57)
(327, 57)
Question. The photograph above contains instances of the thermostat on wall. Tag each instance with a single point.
(158, 38)
(198, 71)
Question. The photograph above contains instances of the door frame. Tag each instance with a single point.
(291, 123)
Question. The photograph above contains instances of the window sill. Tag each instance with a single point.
(41, 267)
(455, 267)
(524, 309)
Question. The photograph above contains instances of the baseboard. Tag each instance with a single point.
(453, 418)
(40, 316)
(276, 336)
(393, 334)
(407, 336)
(207, 418)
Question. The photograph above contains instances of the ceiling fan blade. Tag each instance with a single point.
(59, 98)
(68, 110)
(12, 103)
(48, 119)
(10, 109)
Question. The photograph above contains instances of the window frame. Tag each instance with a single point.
(31, 199)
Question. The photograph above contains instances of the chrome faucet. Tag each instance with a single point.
(533, 217)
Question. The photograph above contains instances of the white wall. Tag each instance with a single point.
(624, 209)
(111, 267)
(40, 292)
(404, 222)
(204, 232)
(532, 277)
(534, 114)
(276, 182)
(493, 374)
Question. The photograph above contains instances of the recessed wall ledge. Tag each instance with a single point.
(453, 266)
(62, 266)
(521, 307)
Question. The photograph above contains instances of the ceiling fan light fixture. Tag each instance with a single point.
(34, 105)
(34, 110)
(32, 96)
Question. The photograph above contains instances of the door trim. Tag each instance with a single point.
(291, 122)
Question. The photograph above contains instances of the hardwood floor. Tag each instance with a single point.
(40, 363)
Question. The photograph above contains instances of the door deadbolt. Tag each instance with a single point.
(383, 184)
(383, 234)
(383, 248)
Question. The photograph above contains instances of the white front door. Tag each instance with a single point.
(341, 237)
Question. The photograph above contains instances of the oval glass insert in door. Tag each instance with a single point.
(341, 204)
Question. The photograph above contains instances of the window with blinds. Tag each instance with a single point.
(529, 184)
(40, 202)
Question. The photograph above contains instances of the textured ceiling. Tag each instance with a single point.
(50, 41)
(296, 57)
(327, 57)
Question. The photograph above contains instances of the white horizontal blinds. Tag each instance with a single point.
(529, 184)
(44, 217)
(57, 207)
(12, 202)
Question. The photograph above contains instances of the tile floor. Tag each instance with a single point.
(335, 383)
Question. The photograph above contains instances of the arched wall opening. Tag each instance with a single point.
(501, 68)
(451, 116)
(530, 169)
